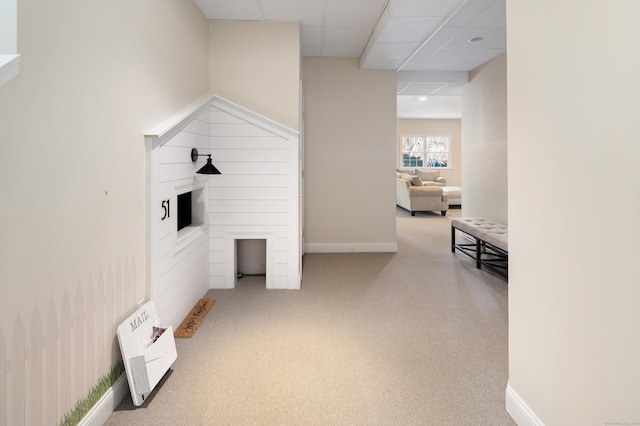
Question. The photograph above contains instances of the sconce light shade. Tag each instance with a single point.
(207, 169)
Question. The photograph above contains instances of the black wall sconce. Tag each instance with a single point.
(207, 169)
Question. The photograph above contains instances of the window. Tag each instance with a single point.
(8, 27)
(192, 214)
(423, 151)
(9, 59)
(184, 210)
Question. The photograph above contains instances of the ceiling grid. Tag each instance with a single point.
(429, 42)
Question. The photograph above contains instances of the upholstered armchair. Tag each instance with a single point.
(420, 198)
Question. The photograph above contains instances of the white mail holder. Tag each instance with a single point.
(148, 351)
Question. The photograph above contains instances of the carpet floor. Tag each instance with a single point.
(417, 337)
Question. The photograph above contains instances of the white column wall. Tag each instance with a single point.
(484, 142)
(574, 204)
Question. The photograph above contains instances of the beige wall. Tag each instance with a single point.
(451, 127)
(94, 77)
(484, 141)
(574, 204)
(350, 131)
(257, 65)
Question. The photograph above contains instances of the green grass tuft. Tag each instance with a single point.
(86, 404)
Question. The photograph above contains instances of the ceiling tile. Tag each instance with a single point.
(310, 12)
(442, 36)
(346, 37)
(443, 77)
(422, 88)
(342, 52)
(312, 51)
(494, 16)
(391, 51)
(450, 89)
(353, 13)
(412, 66)
(402, 86)
(494, 38)
(436, 66)
(468, 13)
(403, 8)
(312, 36)
(407, 30)
(380, 65)
(424, 54)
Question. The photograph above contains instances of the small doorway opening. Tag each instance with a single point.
(249, 254)
(251, 261)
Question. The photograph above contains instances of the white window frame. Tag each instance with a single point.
(424, 151)
(9, 57)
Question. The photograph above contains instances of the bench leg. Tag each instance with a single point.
(478, 258)
(444, 212)
(413, 213)
(453, 239)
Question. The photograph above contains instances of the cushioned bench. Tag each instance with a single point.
(490, 243)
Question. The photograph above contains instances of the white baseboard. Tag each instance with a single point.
(519, 410)
(352, 248)
(100, 412)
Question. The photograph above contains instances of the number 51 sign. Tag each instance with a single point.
(166, 209)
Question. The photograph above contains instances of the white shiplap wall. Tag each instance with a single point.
(177, 263)
(256, 197)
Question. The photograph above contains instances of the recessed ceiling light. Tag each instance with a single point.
(476, 39)
(422, 98)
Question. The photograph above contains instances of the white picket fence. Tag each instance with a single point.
(54, 355)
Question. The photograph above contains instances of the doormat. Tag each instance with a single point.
(195, 317)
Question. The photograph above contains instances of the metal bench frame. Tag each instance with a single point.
(482, 252)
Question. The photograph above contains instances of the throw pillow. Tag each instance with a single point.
(415, 180)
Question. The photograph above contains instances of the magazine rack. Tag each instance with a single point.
(148, 351)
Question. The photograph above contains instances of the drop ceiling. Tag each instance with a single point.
(432, 44)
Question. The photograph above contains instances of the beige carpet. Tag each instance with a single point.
(417, 337)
